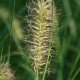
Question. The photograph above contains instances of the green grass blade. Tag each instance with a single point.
(76, 73)
(74, 66)
(50, 44)
(11, 30)
(1, 54)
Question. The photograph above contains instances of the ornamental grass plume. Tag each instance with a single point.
(5, 72)
(39, 36)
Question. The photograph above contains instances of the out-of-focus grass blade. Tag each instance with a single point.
(74, 66)
(70, 19)
(78, 2)
(1, 54)
(76, 73)
(10, 30)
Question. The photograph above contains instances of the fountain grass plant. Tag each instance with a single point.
(46, 41)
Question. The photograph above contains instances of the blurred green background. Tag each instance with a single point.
(67, 44)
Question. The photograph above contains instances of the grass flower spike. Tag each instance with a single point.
(5, 72)
(39, 23)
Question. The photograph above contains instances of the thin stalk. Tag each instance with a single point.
(37, 76)
(50, 43)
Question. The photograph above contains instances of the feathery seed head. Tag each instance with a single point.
(5, 72)
(39, 23)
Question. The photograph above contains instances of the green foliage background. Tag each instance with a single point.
(67, 40)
